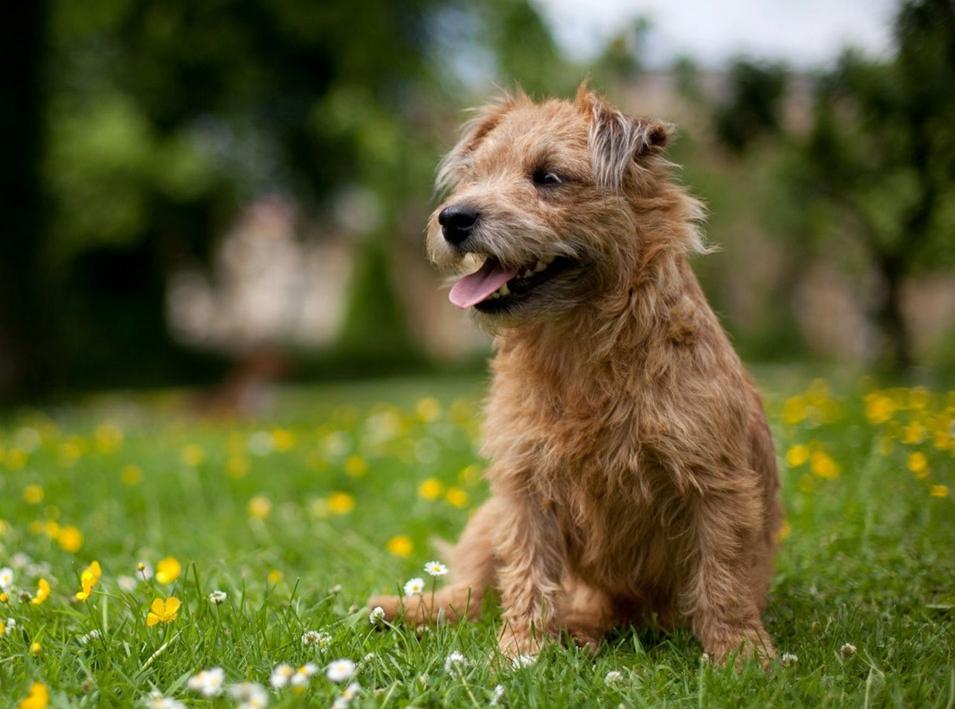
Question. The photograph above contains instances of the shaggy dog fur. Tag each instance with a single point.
(632, 471)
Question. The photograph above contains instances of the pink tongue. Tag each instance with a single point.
(477, 286)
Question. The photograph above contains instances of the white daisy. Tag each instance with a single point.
(317, 638)
(376, 616)
(217, 597)
(303, 674)
(788, 659)
(349, 693)
(414, 586)
(281, 675)
(6, 578)
(20, 560)
(155, 700)
(208, 682)
(249, 695)
(435, 568)
(455, 662)
(340, 670)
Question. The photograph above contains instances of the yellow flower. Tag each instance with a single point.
(797, 455)
(4, 598)
(35, 648)
(237, 467)
(919, 397)
(38, 698)
(428, 409)
(260, 507)
(274, 576)
(192, 455)
(914, 433)
(356, 466)
(282, 439)
(70, 538)
(430, 489)
(131, 475)
(822, 465)
(918, 464)
(33, 494)
(400, 545)
(879, 408)
(784, 531)
(456, 497)
(89, 578)
(16, 459)
(108, 437)
(939, 491)
(795, 409)
(168, 570)
(42, 592)
(340, 503)
(163, 611)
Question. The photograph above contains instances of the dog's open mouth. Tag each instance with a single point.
(494, 287)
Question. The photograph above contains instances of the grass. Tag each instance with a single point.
(299, 517)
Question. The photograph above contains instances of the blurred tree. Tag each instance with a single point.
(878, 159)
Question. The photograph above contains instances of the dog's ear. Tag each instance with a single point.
(485, 119)
(618, 141)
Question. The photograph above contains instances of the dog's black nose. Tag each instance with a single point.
(456, 222)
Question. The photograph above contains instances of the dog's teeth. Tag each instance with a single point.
(540, 266)
(548, 261)
(504, 290)
(527, 274)
(494, 296)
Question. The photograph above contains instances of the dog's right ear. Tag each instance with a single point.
(485, 119)
(616, 139)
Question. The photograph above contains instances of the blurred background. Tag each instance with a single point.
(225, 194)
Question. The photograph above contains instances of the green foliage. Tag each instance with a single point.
(753, 108)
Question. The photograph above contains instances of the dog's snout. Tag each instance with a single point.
(457, 221)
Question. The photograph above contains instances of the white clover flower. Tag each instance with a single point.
(281, 675)
(435, 568)
(249, 695)
(788, 659)
(156, 700)
(337, 588)
(10, 625)
(497, 695)
(6, 578)
(522, 661)
(208, 683)
(126, 583)
(376, 616)
(317, 638)
(613, 677)
(217, 597)
(847, 650)
(455, 662)
(414, 586)
(88, 637)
(340, 670)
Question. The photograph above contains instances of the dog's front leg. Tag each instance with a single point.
(718, 597)
(531, 551)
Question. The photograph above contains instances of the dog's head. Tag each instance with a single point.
(542, 205)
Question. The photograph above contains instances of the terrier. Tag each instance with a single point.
(632, 471)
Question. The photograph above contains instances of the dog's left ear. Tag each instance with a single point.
(618, 141)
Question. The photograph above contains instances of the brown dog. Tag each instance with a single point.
(632, 471)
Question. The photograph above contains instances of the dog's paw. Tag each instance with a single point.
(740, 646)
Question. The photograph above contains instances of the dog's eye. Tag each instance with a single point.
(544, 177)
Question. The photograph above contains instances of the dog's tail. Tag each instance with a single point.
(473, 565)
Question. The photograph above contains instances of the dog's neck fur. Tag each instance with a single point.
(656, 307)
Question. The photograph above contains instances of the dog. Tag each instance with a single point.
(632, 472)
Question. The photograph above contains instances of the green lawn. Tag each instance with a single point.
(298, 518)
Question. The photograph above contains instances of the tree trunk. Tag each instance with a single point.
(896, 345)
